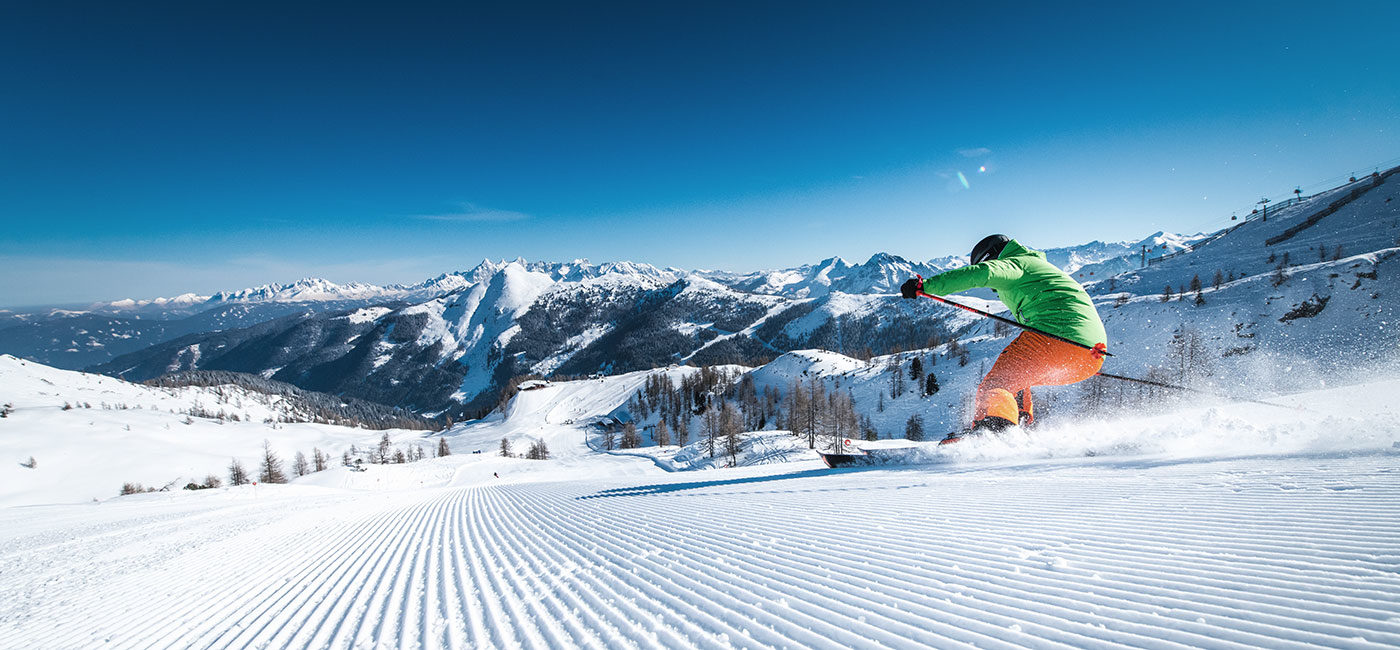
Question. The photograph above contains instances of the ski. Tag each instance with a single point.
(848, 454)
(834, 460)
(851, 454)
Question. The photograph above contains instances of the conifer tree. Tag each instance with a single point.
(442, 448)
(896, 370)
(270, 470)
(537, 451)
(1189, 354)
(505, 448)
(663, 434)
(299, 465)
(682, 431)
(630, 438)
(867, 428)
(839, 420)
(914, 428)
(709, 427)
(731, 428)
(382, 453)
(319, 459)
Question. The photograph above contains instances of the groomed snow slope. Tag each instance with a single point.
(1286, 535)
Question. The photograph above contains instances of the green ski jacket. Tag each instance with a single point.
(1039, 295)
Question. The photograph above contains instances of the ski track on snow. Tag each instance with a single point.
(776, 557)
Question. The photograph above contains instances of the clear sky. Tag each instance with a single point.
(154, 148)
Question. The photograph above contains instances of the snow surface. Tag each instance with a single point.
(368, 314)
(118, 432)
(1251, 526)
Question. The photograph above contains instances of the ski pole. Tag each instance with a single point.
(1196, 390)
(1099, 349)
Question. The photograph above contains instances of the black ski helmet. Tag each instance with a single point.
(989, 248)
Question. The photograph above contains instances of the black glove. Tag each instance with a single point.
(911, 288)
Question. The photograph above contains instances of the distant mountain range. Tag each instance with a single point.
(83, 338)
(882, 273)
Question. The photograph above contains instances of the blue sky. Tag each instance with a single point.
(156, 148)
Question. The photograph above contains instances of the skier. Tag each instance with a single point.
(1040, 296)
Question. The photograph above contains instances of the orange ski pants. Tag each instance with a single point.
(1031, 360)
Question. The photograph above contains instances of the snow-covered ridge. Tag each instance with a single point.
(575, 271)
(306, 289)
(182, 300)
(882, 273)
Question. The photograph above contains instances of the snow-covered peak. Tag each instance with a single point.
(1166, 242)
(578, 270)
(697, 281)
(882, 273)
(129, 304)
(1073, 258)
(885, 259)
(804, 364)
(581, 269)
(516, 287)
(445, 283)
(947, 262)
(303, 290)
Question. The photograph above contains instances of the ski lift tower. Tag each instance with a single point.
(1264, 209)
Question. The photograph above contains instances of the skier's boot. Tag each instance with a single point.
(990, 423)
(1025, 415)
(993, 424)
